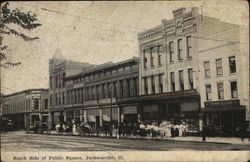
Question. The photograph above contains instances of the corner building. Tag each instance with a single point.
(25, 108)
(172, 81)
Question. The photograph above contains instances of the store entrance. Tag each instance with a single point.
(173, 113)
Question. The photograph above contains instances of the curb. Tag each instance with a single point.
(131, 138)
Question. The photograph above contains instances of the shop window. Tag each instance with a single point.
(171, 51)
(159, 55)
(153, 84)
(189, 47)
(180, 52)
(145, 86)
(234, 90)
(172, 81)
(161, 83)
(232, 64)
(190, 78)
(207, 69)
(181, 80)
(220, 89)
(219, 67)
(208, 92)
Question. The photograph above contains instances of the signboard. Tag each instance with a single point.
(222, 103)
(170, 94)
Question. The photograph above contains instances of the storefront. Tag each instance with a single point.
(176, 107)
(224, 118)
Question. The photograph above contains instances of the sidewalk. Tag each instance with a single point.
(229, 140)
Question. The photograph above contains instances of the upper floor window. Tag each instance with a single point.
(207, 69)
(36, 103)
(234, 89)
(172, 78)
(161, 83)
(190, 78)
(144, 59)
(208, 92)
(145, 86)
(153, 84)
(159, 55)
(151, 57)
(220, 89)
(171, 51)
(189, 47)
(219, 67)
(232, 64)
(181, 80)
(180, 57)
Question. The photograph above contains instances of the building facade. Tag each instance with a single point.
(175, 58)
(25, 108)
(59, 69)
(91, 94)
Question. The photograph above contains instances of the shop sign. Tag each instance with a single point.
(169, 94)
(222, 103)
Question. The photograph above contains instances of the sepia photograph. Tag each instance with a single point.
(124, 81)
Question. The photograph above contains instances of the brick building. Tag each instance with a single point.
(173, 85)
(25, 108)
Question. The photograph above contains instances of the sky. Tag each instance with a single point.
(94, 32)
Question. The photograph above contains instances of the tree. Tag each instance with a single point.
(27, 21)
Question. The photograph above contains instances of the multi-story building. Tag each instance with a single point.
(59, 69)
(175, 58)
(25, 108)
(93, 94)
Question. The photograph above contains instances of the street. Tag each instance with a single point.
(19, 141)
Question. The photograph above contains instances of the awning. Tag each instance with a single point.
(221, 109)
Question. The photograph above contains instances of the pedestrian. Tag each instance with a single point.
(203, 132)
(242, 133)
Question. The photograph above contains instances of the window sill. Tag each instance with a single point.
(232, 73)
(219, 75)
(189, 58)
(208, 77)
(180, 60)
(172, 62)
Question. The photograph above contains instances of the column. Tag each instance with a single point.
(50, 120)
(142, 86)
(85, 115)
(149, 85)
(65, 115)
(101, 121)
(40, 119)
(157, 85)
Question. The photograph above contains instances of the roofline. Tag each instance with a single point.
(24, 91)
(147, 31)
(103, 67)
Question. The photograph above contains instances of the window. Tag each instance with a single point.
(219, 67)
(181, 80)
(161, 83)
(97, 92)
(50, 82)
(208, 92)
(220, 90)
(135, 86)
(151, 57)
(145, 86)
(128, 87)
(189, 47)
(109, 87)
(144, 59)
(36, 103)
(180, 49)
(234, 91)
(232, 64)
(172, 81)
(46, 104)
(153, 84)
(63, 99)
(190, 78)
(121, 88)
(50, 100)
(114, 89)
(93, 92)
(207, 69)
(171, 51)
(159, 55)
